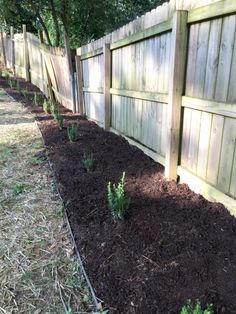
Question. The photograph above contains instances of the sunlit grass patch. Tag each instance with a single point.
(37, 274)
(19, 134)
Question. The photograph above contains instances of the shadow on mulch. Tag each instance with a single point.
(173, 246)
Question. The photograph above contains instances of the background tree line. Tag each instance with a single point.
(81, 20)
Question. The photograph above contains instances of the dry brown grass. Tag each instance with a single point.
(38, 271)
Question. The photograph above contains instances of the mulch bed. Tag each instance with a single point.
(173, 246)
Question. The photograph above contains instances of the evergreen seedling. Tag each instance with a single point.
(117, 201)
(25, 92)
(191, 308)
(10, 82)
(72, 132)
(36, 99)
(58, 118)
(46, 106)
(88, 161)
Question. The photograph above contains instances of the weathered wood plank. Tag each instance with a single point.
(219, 108)
(227, 155)
(79, 85)
(107, 85)
(232, 190)
(158, 97)
(191, 56)
(149, 32)
(226, 51)
(212, 59)
(178, 57)
(92, 54)
(163, 130)
(194, 141)
(215, 149)
(212, 11)
(201, 59)
(204, 140)
(231, 97)
(26, 54)
(185, 136)
(98, 90)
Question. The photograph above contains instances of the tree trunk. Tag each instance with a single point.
(45, 29)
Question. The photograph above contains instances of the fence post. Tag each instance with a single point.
(26, 54)
(107, 85)
(79, 85)
(71, 71)
(12, 49)
(3, 50)
(176, 86)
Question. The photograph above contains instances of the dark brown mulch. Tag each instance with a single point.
(173, 246)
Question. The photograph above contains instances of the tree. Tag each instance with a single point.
(81, 20)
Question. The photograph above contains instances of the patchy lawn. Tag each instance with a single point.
(39, 273)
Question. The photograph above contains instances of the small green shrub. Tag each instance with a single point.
(25, 92)
(46, 106)
(117, 201)
(196, 308)
(53, 108)
(18, 189)
(72, 131)
(58, 118)
(88, 161)
(36, 99)
(11, 83)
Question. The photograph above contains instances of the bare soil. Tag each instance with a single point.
(174, 245)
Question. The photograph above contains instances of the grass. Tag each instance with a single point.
(37, 275)
(18, 189)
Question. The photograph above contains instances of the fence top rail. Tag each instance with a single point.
(213, 10)
(146, 33)
(91, 54)
(142, 35)
(56, 51)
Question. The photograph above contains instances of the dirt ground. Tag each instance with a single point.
(174, 245)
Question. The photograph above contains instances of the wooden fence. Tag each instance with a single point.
(166, 82)
(46, 67)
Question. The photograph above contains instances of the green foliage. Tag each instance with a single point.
(72, 131)
(10, 82)
(25, 92)
(117, 201)
(46, 106)
(53, 108)
(82, 20)
(58, 118)
(18, 189)
(36, 99)
(88, 161)
(196, 308)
